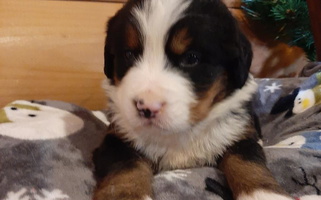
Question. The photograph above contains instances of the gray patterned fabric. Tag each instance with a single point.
(37, 163)
(45, 151)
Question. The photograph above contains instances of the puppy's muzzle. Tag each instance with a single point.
(149, 105)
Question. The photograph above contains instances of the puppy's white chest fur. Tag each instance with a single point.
(200, 146)
(203, 145)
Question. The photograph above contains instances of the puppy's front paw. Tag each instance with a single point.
(121, 191)
(147, 198)
(124, 195)
(263, 195)
(121, 198)
(310, 197)
(134, 183)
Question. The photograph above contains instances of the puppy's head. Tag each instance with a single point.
(170, 62)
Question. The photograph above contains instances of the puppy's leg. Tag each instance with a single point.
(247, 175)
(123, 173)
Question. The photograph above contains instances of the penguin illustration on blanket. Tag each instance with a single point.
(302, 98)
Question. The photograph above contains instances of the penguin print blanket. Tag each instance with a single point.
(46, 147)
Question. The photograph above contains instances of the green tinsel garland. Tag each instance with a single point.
(287, 19)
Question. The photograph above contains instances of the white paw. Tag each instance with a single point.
(310, 197)
(174, 175)
(263, 195)
(147, 198)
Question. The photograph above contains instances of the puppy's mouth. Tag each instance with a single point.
(153, 124)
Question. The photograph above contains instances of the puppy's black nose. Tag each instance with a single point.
(146, 113)
(148, 110)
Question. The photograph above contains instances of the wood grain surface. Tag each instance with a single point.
(53, 50)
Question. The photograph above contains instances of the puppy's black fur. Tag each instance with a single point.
(207, 48)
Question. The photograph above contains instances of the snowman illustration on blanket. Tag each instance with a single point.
(36, 154)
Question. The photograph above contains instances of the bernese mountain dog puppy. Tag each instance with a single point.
(179, 97)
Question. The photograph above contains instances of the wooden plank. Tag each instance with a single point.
(53, 50)
(315, 18)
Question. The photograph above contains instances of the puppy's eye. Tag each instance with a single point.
(190, 59)
(130, 55)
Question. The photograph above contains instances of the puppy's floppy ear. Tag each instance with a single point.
(244, 60)
(109, 63)
(108, 54)
(240, 60)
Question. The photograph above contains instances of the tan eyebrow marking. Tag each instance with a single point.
(132, 37)
(180, 42)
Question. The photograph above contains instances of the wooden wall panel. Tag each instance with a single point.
(53, 50)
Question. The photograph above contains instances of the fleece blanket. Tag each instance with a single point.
(46, 149)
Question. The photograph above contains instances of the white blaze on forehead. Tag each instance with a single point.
(155, 18)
